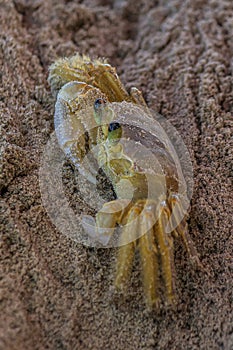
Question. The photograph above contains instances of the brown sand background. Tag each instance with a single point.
(55, 292)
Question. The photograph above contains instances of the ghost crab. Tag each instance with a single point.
(93, 108)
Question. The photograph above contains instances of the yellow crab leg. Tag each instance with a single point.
(107, 81)
(182, 231)
(108, 217)
(165, 245)
(126, 251)
(137, 97)
(191, 250)
(149, 261)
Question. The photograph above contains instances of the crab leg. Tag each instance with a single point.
(149, 261)
(127, 247)
(108, 81)
(165, 245)
(182, 231)
(108, 217)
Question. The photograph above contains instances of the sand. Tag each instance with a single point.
(55, 292)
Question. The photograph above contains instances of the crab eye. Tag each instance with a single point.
(114, 132)
(113, 126)
(99, 109)
(100, 102)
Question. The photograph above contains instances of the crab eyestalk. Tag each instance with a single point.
(114, 132)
